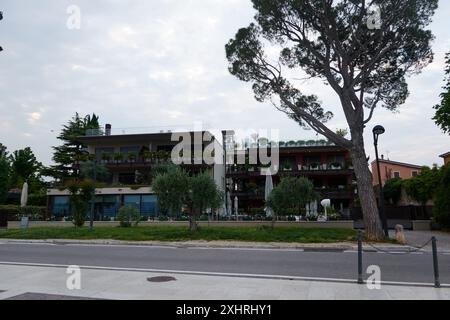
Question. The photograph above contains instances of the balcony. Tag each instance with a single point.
(300, 170)
(327, 193)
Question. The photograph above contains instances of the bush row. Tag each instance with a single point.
(35, 213)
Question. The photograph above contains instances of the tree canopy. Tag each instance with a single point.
(291, 196)
(66, 154)
(175, 189)
(442, 116)
(363, 50)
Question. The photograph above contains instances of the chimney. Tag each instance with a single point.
(107, 129)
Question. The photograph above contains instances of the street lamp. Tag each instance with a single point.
(377, 131)
(91, 217)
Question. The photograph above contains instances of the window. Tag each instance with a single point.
(132, 200)
(100, 151)
(414, 173)
(148, 205)
(61, 206)
(396, 174)
(126, 151)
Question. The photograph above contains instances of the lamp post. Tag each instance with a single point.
(377, 131)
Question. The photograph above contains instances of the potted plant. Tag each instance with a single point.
(336, 166)
(131, 157)
(349, 164)
(287, 166)
(118, 157)
(314, 166)
(106, 157)
(147, 156)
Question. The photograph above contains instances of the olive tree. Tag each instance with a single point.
(203, 194)
(362, 49)
(291, 195)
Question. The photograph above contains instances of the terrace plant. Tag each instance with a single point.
(118, 157)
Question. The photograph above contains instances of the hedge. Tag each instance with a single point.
(14, 212)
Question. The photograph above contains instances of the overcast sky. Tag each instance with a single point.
(147, 63)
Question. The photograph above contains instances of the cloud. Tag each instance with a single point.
(160, 63)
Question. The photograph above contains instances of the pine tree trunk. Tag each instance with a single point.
(372, 222)
(193, 226)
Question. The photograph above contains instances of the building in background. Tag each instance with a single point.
(446, 157)
(131, 160)
(393, 169)
(328, 166)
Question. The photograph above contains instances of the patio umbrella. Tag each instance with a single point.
(268, 189)
(24, 195)
(229, 204)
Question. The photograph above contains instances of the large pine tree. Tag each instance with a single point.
(66, 154)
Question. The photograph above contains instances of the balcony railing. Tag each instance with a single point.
(319, 168)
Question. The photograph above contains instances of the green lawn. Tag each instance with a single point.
(173, 233)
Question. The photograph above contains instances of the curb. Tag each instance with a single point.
(307, 247)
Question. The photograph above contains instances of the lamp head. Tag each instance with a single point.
(377, 130)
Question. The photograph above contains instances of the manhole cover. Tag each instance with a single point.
(161, 279)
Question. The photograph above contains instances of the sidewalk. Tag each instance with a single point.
(337, 246)
(29, 282)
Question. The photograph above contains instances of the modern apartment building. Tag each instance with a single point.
(131, 160)
(393, 169)
(328, 166)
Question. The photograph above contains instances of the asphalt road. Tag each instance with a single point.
(338, 265)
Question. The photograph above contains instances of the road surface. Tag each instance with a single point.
(416, 268)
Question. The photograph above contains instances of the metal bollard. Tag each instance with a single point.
(437, 283)
(360, 268)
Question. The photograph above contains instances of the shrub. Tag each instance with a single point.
(392, 190)
(441, 210)
(37, 199)
(11, 211)
(34, 213)
(127, 215)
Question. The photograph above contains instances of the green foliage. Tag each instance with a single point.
(441, 210)
(171, 188)
(423, 186)
(81, 193)
(203, 194)
(35, 213)
(37, 199)
(26, 168)
(94, 171)
(4, 178)
(176, 189)
(342, 132)
(442, 116)
(65, 155)
(128, 215)
(291, 195)
(392, 190)
(14, 212)
(175, 233)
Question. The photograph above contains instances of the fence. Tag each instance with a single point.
(437, 283)
(404, 215)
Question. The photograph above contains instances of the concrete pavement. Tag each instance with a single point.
(26, 281)
(341, 264)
